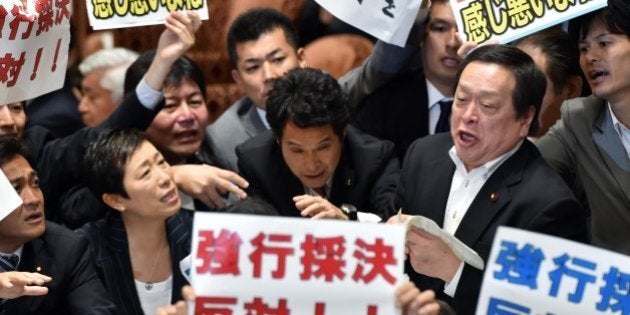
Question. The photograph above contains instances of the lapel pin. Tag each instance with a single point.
(38, 269)
(494, 197)
(348, 182)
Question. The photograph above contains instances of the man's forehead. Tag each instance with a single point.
(267, 43)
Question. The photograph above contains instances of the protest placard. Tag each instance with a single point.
(109, 14)
(532, 273)
(505, 21)
(10, 199)
(34, 50)
(387, 20)
(274, 265)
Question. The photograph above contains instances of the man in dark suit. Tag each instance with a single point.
(483, 175)
(46, 248)
(417, 103)
(311, 164)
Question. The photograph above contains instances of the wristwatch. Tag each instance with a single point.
(350, 211)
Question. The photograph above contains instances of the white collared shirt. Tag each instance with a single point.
(622, 131)
(434, 97)
(263, 116)
(465, 186)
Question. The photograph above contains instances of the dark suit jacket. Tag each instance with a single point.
(59, 161)
(110, 251)
(75, 287)
(397, 112)
(531, 196)
(365, 177)
(57, 111)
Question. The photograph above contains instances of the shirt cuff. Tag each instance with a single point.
(147, 96)
(451, 287)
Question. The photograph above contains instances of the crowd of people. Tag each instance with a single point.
(533, 134)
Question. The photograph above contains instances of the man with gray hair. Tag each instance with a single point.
(103, 81)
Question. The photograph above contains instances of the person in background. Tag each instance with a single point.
(417, 102)
(311, 163)
(137, 247)
(102, 85)
(263, 46)
(558, 57)
(46, 253)
(590, 144)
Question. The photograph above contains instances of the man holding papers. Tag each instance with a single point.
(483, 175)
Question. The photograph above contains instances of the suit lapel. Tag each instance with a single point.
(252, 122)
(494, 196)
(437, 197)
(612, 151)
(343, 181)
(34, 256)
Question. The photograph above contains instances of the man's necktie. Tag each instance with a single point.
(443, 123)
(8, 262)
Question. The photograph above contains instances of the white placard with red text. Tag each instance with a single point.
(294, 266)
(506, 21)
(10, 199)
(387, 20)
(108, 14)
(34, 47)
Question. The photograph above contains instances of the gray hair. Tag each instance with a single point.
(115, 61)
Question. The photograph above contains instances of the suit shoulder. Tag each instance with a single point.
(231, 117)
(361, 141)
(62, 238)
(582, 109)
(440, 142)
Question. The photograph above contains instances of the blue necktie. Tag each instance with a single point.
(8, 262)
(443, 124)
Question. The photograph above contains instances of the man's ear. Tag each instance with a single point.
(574, 86)
(301, 58)
(114, 201)
(526, 121)
(236, 76)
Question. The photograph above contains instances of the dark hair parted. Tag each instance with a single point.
(183, 68)
(10, 147)
(307, 97)
(106, 158)
(615, 18)
(530, 81)
(256, 22)
(561, 54)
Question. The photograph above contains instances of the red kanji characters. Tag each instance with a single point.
(62, 10)
(10, 69)
(204, 305)
(46, 15)
(382, 256)
(325, 255)
(20, 16)
(281, 252)
(258, 307)
(220, 255)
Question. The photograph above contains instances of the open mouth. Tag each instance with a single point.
(466, 137)
(170, 197)
(187, 136)
(597, 75)
(35, 217)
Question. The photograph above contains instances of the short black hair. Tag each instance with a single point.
(256, 22)
(106, 158)
(251, 205)
(10, 147)
(615, 18)
(561, 52)
(183, 68)
(530, 80)
(307, 97)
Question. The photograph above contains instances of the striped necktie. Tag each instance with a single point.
(8, 262)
